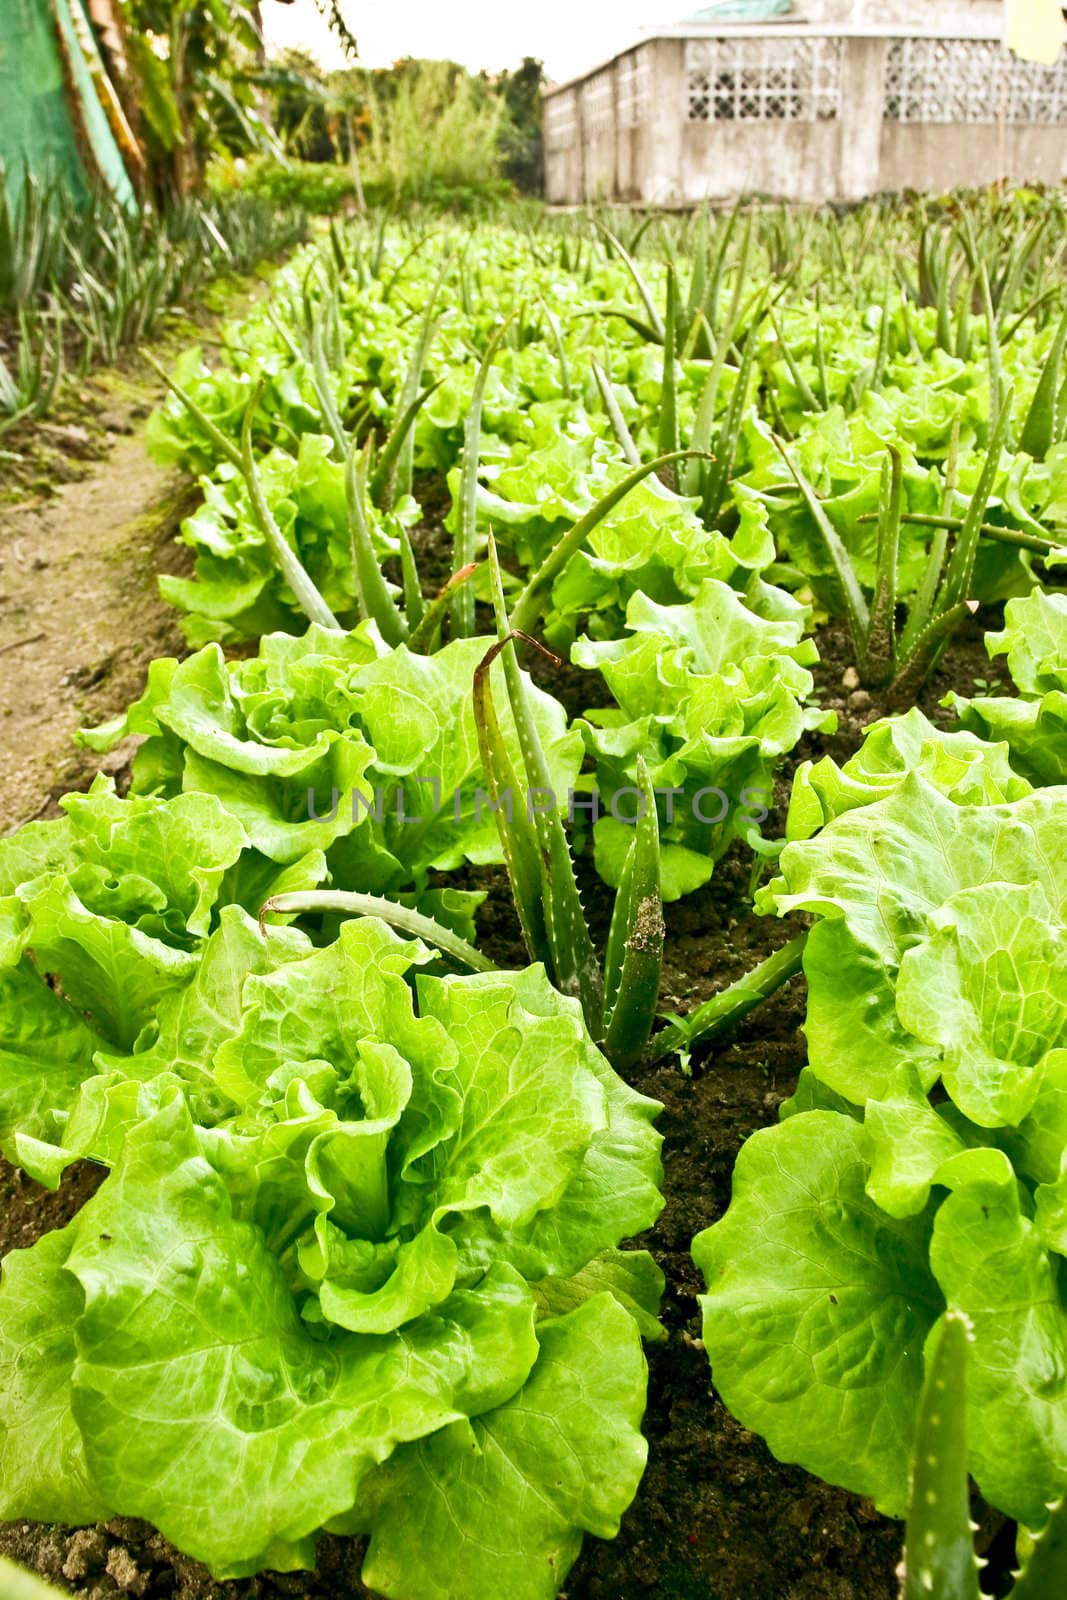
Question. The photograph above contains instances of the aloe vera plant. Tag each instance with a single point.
(939, 1558)
(903, 657)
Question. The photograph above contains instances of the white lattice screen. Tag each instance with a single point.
(633, 84)
(970, 80)
(763, 80)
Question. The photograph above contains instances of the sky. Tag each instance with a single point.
(568, 35)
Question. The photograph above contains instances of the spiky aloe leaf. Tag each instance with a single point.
(341, 903)
(463, 549)
(569, 543)
(939, 1558)
(574, 964)
(623, 436)
(913, 669)
(633, 965)
(730, 1005)
(1039, 429)
(373, 598)
(859, 620)
(1044, 1572)
(876, 663)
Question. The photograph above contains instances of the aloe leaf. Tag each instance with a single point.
(668, 416)
(288, 562)
(529, 602)
(961, 563)
(464, 547)
(574, 962)
(807, 399)
(1039, 430)
(18, 1584)
(859, 620)
(732, 1004)
(337, 902)
(996, 381)
(373, 598)
(1044, 1572)
(390, 483)
(915, 667)
(633, 964)
(726, 441)
(623, 436)
(939, 1559)
(225, 447)
(414, 604)
(654, 318)
(876, 664)
(518, 840)
(324, 388)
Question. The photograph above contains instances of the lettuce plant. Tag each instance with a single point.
(377, 1289)
(105, 917)
(1033, 726)
(709, 696)
(333, 743)
(921, 1163)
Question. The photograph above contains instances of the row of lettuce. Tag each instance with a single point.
(357, 1263)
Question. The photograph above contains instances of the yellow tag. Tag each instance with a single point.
(1035, 30)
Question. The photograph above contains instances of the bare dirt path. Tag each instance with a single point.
(80, 615)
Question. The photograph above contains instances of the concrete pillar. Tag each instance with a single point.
(860, 119)
(660, 175)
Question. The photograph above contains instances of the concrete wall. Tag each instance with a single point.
(804, 114)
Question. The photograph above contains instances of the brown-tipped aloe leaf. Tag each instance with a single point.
(426, 635)
(633, 965)
(939, 1559)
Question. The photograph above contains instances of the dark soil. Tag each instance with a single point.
(716, 1516)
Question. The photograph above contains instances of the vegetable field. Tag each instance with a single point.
(547, 1072)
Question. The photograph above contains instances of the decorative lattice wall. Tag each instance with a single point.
(633, 87)
(763, 80)
(970, 80)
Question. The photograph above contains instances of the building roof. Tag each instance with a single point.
(741, 11)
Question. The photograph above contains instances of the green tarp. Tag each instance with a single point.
(51, 120)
